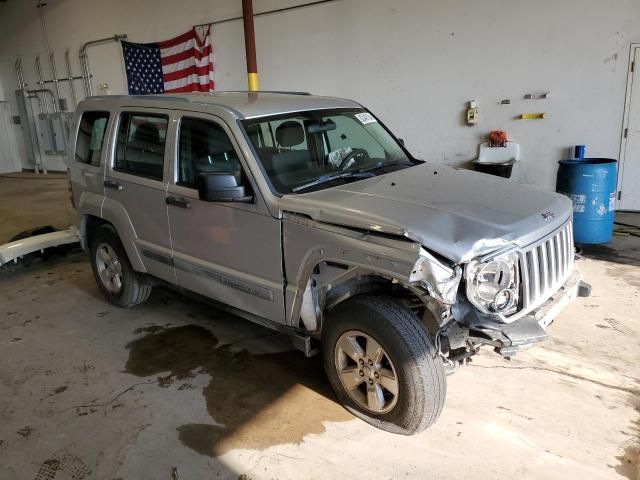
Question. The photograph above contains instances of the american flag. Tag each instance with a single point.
(182, 64)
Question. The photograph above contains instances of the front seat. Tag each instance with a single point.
(290, 166)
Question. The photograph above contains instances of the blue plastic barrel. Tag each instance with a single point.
(591, 184)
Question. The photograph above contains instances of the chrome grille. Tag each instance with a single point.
(545, 266)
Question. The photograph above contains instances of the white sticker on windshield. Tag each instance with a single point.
(365, 118)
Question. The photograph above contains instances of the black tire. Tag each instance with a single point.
(135, 287)
(419, 370)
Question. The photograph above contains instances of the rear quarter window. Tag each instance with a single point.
(91, 137)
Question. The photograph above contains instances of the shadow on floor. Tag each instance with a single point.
(255, 400)
(624, 247)
(621, 249)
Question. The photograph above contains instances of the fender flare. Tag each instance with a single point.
(115, 214)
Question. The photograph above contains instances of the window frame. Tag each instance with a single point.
(242, 125)
(220, 125)
(103, 144)
(155, 113)
(175, 175)
(259, 205)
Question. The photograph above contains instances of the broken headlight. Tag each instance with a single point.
(493, 285)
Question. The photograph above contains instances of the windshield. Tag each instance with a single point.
(318, 149)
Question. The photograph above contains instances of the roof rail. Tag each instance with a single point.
(279, 92)
(138, 97)
(177, 98)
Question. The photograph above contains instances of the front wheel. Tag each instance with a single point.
(382, 365)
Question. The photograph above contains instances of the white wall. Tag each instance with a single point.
(414, 63)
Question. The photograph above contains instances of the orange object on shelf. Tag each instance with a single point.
(498, 138)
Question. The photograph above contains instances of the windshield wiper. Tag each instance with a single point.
(321, 180)
(348, 174)
(382, 165)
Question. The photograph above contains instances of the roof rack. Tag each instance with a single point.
(181, 98)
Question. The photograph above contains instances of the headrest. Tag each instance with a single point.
(289, 133)
(147, 133)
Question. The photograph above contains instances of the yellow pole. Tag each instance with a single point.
(253, 82)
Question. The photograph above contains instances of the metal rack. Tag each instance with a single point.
(46, 124)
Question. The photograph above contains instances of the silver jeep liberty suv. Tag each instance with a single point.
(305, 214)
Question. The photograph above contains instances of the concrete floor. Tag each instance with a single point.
(88, 390)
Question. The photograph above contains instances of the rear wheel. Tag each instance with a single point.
(117, 279)
(382, 365)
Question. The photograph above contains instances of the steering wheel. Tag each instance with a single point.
(356, 154)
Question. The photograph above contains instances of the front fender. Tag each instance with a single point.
(307, 243)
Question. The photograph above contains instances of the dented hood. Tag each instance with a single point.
(459, 214)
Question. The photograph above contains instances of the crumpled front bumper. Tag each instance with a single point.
(511, 337)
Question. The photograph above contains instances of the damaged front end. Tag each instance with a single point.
(473, 329)
(436, 284)
(505, 299)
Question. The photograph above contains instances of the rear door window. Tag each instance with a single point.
(91, 137)
(140, 144)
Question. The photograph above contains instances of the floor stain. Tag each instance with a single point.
(255, 401)
(630, 452)
(84, 411)
(27, 374)
(620, 327)
(71, 465)
(25, 432)
(526, 417)
(149, 329)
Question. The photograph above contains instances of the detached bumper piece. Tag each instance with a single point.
(525, 332)
(509, 338)
(12, 251)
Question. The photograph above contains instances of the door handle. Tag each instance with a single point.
(178, 202)
(112, 184)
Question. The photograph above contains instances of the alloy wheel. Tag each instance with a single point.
(366, 372)
(109, 268)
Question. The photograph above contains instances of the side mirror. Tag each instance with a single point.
(222, 187)
(401, 140)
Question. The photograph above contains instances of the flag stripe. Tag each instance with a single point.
(185, 64)
(177, 40)
(181, 47)
(185, 54)
(191, 70)
(201, 79)
(191, 87)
